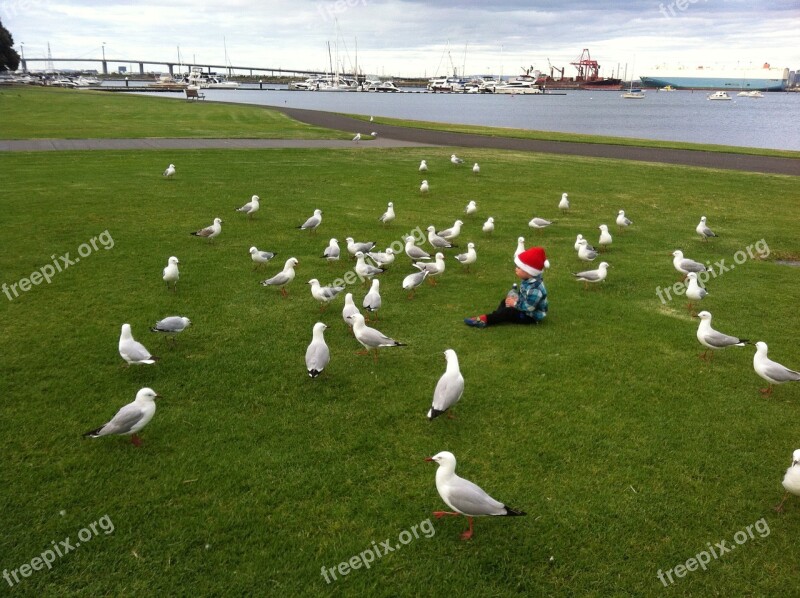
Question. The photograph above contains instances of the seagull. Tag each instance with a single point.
(370, 338)
(488, 226)
(713, 340)
(323, 294)
(452, 232)
(423, 187)
(585, 253)
(685, 265)
(349, 309)
(475, 168)
(170, 171)
(210, 232)
(449, 388)
(694, 291)
(520, 246)
(598, 275)
(260, 257)
(353, 248)
(791, 481)
(373, 134)
(317, 355)
(171, 325)
(470, 257)
(370, 119)
(771, 371)
(605, 237)
(578, 240)
(388, 215)
(471, 208)
(414, 252)
(563, 205)
(622, 221)
(357, 138)
(170, 273)
(365, 270)
(331, 252)
(382, 259)
(251, 207)
(313, 222)
(539, 223)
(372, 300)
(132, 351)
(412, 281)
(423, 166)
(432, 268)
(464, 497)
(703, 230)
(130, 419)
(282, 278)
(456, 160)
(437, 241)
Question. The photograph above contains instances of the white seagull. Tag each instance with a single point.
(703, 230)
(437, 241)
(353, 247)
(520, 246)
(771, 371)
(370, 338)
(349, 309)
(282, 278)
(357, 138)
(578, 240)
(488, 226)
(317, 354)
(260, 257)
(170, 274)
(412, 281)
(423, 166)
(563, 205)
(372, 300)
(713, 340)
(694, 292)
(323, 294)
(622, 221)
(414, 252)
(471, 208)
(172, 325)
(449, 388)
(251, 207)
(539, 223)
(210, 232)
(470, 257)
(423, 187)
(365, 270)
(382, 259)
(452, 232)
(130, 419)
(605, 237)
(685, 265)
(585, 251)
(475, 168)
(170, 171)
(593, 276)
(455, 160)
(313, 222)
(331, 252)
(132, 351)
(432, 268)
(388, 215)
(791, 481)
(464, 497)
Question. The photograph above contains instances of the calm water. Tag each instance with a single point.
(768, 122)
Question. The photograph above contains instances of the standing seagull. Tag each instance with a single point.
(771, 371)
(694, 292)
(130, 419)
(577, 244)
(450, 387)
(423, 166)
(470, 257)
(488, 226)
(331, 252)
(423, 187)
(622, 221)
(464, 497)
(414, 252)
(605, 237)
(593, 276)
(313, 222)
(371, 338)
(357, 138)
(475, 168)
(388, 215)
(412, 281)
(353, 247)
(210, 232)
(703, 230)
(563, 205)
(323, 294)
(520, 246)
(471, 208)
(455, 160)
(585, 252)
(382, 259)
(452, 232)
(791, 481)
(437, 241)
(170, 274)
(372, 300)
(685, 265)
(317, 355)
(713, 340)
(365, 270)
(132, 351)
(282, 278)
(251, 207)
(171, 326)
(349, 309)
(432, 268)
(260, 257)
(170, 171)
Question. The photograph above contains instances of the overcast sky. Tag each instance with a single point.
(414, 37)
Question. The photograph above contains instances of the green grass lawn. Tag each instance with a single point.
(629, 454)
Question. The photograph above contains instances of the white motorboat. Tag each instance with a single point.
(83, 81)
(384, 86)
(519, 86)
(719, 95)
(446, 84)
(633, 94)
(750, 94)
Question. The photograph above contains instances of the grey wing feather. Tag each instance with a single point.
(692, 266)
(170, 324)
(780, 373)
(279, 278)
(470, 499)
(588, 275)
(122, 423)
(448, 392)
(136, 351)
(317, 356)
(718, 339)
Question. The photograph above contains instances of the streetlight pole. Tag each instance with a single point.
(22, 51)
(105, 66)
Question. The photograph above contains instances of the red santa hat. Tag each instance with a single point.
(532, 260)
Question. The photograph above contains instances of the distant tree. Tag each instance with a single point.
(9, 59)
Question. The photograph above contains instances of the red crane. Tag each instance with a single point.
(588, 69)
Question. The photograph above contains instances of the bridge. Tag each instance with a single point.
(170, 65)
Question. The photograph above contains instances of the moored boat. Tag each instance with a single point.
(719, 95)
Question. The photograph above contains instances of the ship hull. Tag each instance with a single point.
(763, 79)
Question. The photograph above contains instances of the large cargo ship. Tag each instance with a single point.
(588, 76)
(765, 78)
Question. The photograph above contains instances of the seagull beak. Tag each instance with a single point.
(428, 458)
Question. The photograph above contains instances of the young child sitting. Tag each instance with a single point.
(530, 306)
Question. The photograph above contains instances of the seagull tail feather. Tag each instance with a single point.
(513, 512)
(433, 413)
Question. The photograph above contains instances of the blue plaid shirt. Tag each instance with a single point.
(532, 300)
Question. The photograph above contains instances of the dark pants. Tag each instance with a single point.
(507, 314)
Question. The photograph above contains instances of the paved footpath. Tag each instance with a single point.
(390, 136)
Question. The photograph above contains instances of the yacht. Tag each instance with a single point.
(719, 95)
(385, 86)
(521, 85)
(633, 94)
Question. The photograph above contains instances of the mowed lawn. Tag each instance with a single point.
(628, 453)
